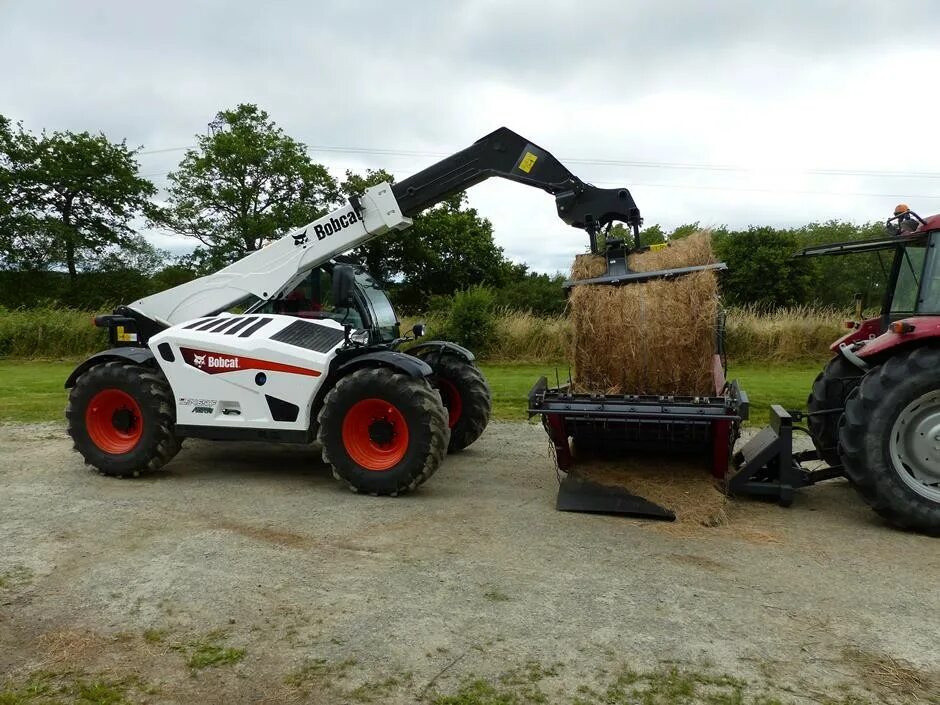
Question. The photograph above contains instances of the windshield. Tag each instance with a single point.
(904, 299)
(386, 322)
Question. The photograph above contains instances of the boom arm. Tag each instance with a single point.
(277, 268)
(508, 155)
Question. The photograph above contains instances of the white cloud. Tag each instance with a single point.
(775, 89)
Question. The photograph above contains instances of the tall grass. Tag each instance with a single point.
(786, 335)
(49, 332)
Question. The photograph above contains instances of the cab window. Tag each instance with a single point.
(313, 299)
(904, 299)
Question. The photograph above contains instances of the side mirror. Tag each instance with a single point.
(418, 330)
(344, 281)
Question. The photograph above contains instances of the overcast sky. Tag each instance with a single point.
(735, 106)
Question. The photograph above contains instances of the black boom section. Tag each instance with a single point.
(310, 336)
(505, 154)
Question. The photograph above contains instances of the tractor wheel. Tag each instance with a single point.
(383, 432)
(890, 439)
(121, 418)
(466, 396)
(830, 390)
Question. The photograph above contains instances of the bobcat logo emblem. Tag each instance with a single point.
(199, 360)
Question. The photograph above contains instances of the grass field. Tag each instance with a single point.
(31, 390)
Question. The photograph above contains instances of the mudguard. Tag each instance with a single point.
(441, 346)
(408, 364)
(137, 355)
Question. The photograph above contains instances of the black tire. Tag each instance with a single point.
(870, 442)
(152, 422)
(831, 388)
(454, 376)
(418, 410)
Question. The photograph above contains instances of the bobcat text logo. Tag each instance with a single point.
(335, 225)
(212, 363)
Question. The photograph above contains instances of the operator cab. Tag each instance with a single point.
(912, 273)
(312, 299)
(915, 273)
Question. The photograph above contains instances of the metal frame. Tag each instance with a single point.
(631, 277)
(767, 467)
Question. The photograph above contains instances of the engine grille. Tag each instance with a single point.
(310, 336)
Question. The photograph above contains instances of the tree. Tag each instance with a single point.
(762, 270)
(685, 230)
(72, 196)
(841, 277)
(650, 235)
(245, 183)
(449, 248)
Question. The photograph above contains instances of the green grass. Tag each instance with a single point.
(209, 651)
(31, 390)
(48, 688)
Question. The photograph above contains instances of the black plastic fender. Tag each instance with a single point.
(408, 364)
(441, 346)
(134, 354)
(347, 361)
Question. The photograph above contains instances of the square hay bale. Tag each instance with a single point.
(655, 337)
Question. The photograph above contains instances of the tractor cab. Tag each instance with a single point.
(312, 298)
(911, 268)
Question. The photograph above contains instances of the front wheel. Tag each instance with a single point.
(890, 439)
(383, 432)
(121, 418)
(831, 388)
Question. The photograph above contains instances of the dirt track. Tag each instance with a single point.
(336, 598)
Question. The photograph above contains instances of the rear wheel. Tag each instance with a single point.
(121, 418)
(465, 394)
(383, 432)
(890, 439)
(830, 390)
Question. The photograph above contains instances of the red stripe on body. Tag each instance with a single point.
(214, 363)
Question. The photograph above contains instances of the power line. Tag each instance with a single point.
(376, 151)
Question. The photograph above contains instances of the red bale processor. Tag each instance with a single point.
(873, 413)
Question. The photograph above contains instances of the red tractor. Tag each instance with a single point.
(874, 410)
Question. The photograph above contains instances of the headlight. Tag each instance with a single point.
(360, 336)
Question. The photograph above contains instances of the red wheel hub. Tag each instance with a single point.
(450, 395)
(375, 434)
(113, 421)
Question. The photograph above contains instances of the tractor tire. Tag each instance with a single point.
(831, 388)
(889, 438)
(466, 396)
(121, 418)
(383, 432)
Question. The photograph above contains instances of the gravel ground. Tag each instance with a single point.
(244, 573)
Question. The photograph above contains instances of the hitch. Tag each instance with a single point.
(767, 467)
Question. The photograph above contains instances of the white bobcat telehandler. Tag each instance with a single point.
(310, 360)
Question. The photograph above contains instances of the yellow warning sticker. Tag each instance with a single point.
(125, 337)
(528, 161)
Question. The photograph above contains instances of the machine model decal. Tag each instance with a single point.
(336, 224)
(214, 363)
(183, 401)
